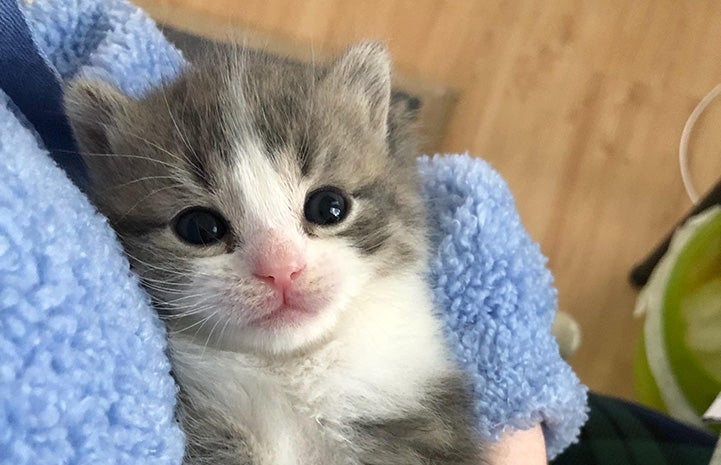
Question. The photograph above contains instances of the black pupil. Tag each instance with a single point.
(325, 206)
(200, 227)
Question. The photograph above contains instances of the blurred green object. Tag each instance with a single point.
(678, 363)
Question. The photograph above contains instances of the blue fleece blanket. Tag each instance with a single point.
(83, 374)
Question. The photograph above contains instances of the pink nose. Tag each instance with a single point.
(279, 263)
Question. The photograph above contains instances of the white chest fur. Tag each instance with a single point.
(384, 351)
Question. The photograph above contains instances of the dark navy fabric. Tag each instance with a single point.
(619, 432)
(35, 89)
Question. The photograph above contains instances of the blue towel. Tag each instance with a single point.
(498, 303)
(83, 374)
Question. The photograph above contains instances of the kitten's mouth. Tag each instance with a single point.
(290, 307)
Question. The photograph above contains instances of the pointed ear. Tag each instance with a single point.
(365, 69)
(92, 108)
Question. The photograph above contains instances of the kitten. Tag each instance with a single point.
(272, 211)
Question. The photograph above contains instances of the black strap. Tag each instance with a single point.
(36, 89)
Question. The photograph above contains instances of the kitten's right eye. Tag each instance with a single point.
(200, 226)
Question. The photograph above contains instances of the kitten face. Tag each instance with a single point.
(258, 198)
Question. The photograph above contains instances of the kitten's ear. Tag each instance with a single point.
(365, 69)
(91, 107)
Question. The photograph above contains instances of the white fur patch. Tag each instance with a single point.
(385, 350)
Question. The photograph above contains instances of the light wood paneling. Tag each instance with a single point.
(579, 104)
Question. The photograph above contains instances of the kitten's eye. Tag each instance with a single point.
(200, 226)
(325, 206)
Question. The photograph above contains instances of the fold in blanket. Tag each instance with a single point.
(83, 375)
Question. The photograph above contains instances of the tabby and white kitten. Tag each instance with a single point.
(271, 209)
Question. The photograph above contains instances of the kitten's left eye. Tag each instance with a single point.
(200, 226)
(325, 206)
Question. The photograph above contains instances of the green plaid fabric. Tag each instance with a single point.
(623, 433)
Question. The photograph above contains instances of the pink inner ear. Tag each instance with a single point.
(278, 261)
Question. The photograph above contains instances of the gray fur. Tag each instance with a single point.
(210, 439)
(152, 157)
(437, 434)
